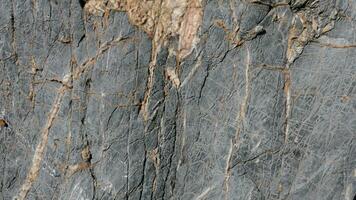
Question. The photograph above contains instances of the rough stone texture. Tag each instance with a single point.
(263, 106)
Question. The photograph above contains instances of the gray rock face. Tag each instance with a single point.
(264, 106)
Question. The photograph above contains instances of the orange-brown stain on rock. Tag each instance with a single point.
(3, 123)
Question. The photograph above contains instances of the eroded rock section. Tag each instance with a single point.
(177, 99)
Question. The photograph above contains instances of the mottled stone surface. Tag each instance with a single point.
(263, 107)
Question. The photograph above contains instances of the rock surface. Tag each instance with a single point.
(213, 99)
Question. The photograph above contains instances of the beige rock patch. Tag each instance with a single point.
(160, 19)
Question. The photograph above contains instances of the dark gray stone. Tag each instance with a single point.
(248, 120)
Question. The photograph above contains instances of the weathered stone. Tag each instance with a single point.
(177, 99)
